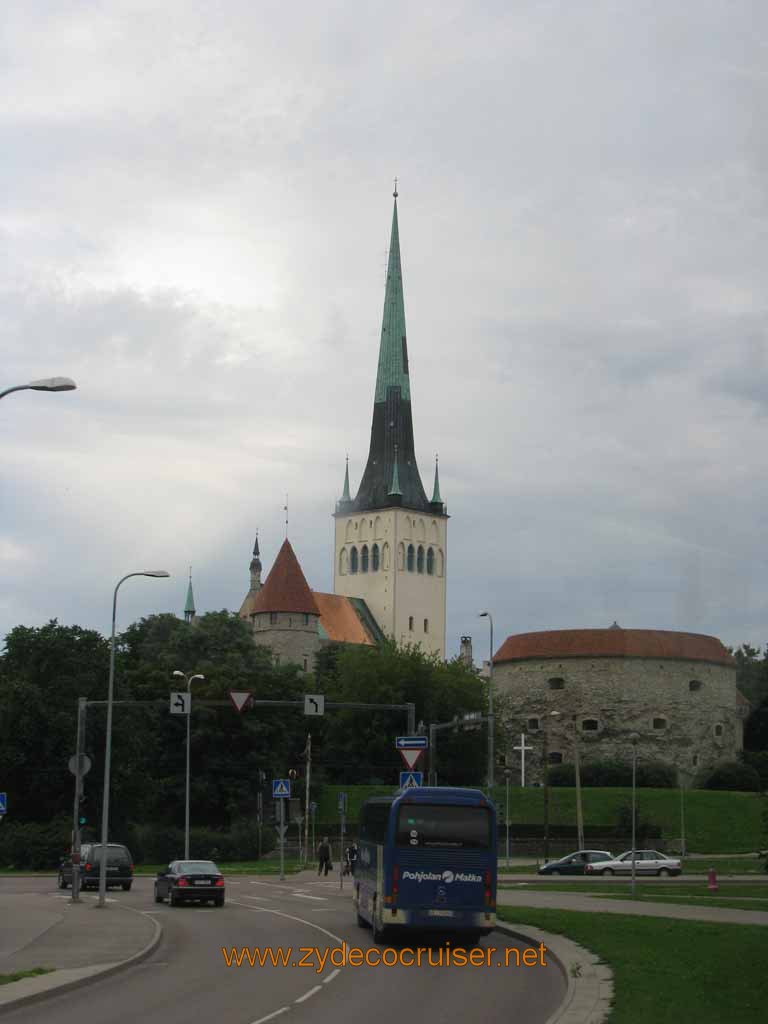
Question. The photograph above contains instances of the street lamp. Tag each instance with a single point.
(633, 738)
(487, 615)
(46, 384)
(108, 746)
(507, 773)
(189, 678)
(577, 779)
(552, 714)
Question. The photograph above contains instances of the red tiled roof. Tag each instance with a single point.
(286, 588)
(340, 620)
(613, 643)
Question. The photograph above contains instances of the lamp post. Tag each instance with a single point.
(189, 678)
(577, 773)
(633, 738)
(108, 745)
(46, 384)
(487, 615)
(552, 714)
(507, 773)
(682, 812)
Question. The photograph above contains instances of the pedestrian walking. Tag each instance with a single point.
(324, 857)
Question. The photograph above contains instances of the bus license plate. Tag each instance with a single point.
(440, 913)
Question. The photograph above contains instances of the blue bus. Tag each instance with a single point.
(427, 859)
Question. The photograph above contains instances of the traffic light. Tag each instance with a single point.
(82, 811)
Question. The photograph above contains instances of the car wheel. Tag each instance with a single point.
(158, 898)
(379, 931)
(607, 871)
(172, 900)
(662, 871)
(554, 872)
(219, 901)
(62, 881)
(127, 886)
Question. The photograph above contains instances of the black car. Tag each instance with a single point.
(187, 881)
(574, 863)
(119, 867)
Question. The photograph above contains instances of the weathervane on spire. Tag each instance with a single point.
(395, 192)
(285, 509)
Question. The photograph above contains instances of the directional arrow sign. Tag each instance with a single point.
(411, 780)
(179, 704)
(240, 699)
(281, 830)
(411, 742)
(314, 704)
(411, 757)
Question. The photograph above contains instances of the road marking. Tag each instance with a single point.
(290, 917)
(308, 994)
(331, 976)
(270, 1016)
(304, 896)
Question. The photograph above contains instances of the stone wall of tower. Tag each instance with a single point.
(407, 603)
(293, 637)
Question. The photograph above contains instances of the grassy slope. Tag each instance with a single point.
(668, 971)
(716, 822)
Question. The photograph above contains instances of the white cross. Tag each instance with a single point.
(522, 748)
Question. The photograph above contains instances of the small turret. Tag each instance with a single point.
(256, 567)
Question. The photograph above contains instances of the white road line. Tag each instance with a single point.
(247, 896)
(308, 994)
(331, 976)
(270, 1016)
(304, 896)
(290, 917)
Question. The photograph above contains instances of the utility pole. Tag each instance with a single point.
(79, 744)
(308, 751)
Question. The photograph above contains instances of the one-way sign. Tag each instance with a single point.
(411, 743)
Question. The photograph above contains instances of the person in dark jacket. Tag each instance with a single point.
(324, 857)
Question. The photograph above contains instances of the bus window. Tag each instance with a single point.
(442, 825)
(373, 821)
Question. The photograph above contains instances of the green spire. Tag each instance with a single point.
(395, 488)
(436, 492)
(345, 496)
(189, 607)
(393, 352)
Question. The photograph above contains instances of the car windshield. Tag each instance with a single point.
(443, 825)
(197, 867)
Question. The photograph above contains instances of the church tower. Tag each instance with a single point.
(391, 540)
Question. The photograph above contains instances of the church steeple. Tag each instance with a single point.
(436, 499)
(256, 566)
(189, 607)
(392, 426)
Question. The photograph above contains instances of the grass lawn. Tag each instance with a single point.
(668, 971)
(746, 896)
(243, 867)
(6, 979)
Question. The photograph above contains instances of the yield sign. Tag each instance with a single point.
(410, 757)
(240, 698)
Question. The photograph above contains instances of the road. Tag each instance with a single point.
(186, 979)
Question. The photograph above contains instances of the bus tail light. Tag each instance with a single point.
(489, 900)
(395, 879)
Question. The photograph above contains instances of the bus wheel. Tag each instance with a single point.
(379, 931)
(361, 922)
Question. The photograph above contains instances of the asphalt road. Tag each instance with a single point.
(187, 979)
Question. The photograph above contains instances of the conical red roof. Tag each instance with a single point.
(286, 588)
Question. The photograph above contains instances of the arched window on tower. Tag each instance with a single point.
(364, 558)
(430, 561)
(375, 558)
(353, 560)
(401, 557)
(343, 562)
(420, 559)
(385, 557)
(440, 563)
(411, 557)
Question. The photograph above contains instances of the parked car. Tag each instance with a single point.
(119, 867)
(647, 862)
(187, 881)
(575, 863)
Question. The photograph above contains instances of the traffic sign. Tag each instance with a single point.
(85, 764)
(240, 699)
(180, 703)
(281, 830)
(314, 704)
(411, 780)
(3, 803)
(281, 788)
(411, 743)
(410, 756)
(342, 803)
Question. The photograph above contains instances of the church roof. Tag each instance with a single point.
(341, 621)
(391, 474)
(614, 642)
(286, 588)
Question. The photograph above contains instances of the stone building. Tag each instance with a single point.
(676, 691)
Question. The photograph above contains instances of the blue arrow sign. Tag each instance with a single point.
(411, 743)
(281, 788)
(411, 780)
(3, 803)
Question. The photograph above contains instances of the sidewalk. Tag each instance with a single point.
(642, 908)
(78, 940)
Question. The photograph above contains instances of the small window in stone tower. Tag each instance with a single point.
(273, 618)
(364, 558)
(426, 625)
(556, 683)
(411, 557)
(353, 560)
(410, 623)
(555, 757)
(694, 685)
(590, 725)
(306, 663)
(659, 723)
(430, 561)
(375, 558)
(718, 730)
(306, 618)
(533, 725)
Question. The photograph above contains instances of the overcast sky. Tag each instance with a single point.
(195, 203)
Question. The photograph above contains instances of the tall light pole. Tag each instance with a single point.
(487, 615)
(507, 773)
(108, 746)
(552, 714)
(46, 384)
(577, 773)
(189, 678)
(682, 812)
(633, 738)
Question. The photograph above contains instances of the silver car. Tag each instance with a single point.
(647, 862)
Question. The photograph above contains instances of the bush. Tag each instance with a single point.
(759, 761)
(733, 776)
(33, 846)
(650, 774)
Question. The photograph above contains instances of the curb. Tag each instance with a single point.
(589, 982)
(69, 978)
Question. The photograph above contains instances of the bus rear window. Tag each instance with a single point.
(439, 825)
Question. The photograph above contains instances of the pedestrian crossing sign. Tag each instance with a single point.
(281, 788)
(411, 780)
